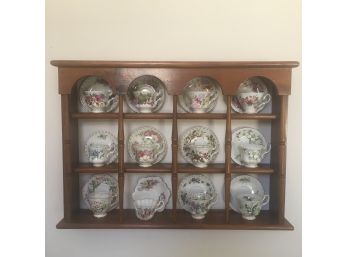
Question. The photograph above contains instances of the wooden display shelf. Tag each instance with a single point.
(175, 75)
(167, 168)
(215, 219)
(182, 116)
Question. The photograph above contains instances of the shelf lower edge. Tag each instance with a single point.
(214, 221)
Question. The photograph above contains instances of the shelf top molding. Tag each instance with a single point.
(176, 75)
(174, 64)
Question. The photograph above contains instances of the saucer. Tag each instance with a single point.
(145, 135)
(254, 84)
(93, 83)
(146, 85)
(201, 84)
(102, 183)
(245, 135)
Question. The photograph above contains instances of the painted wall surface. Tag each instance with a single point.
(192, 30)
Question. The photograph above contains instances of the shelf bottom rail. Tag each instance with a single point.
(215, 219)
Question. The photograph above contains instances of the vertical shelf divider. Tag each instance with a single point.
(283, 110)
(121, 155)
(228, 144)
(70, 158)
(175, 154)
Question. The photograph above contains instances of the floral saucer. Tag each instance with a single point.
(244, 184)
(101, 148)
(152, 188)
(245, 135)
(253, 84)
(102, 183)
(199, 146)
(196, 195)
(146, 94)
(147, 136)
(96, 84)
(200, 95)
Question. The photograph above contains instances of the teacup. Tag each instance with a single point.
(146, 100)
(199, 101)
(99, 154)
(98, 100)
(202, 154)
(250, 205)
(251, 102)
(145, 208)
(252, 155)
(199, 203)
(146, 154)
(99, 203)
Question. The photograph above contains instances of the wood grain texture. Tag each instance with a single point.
(228, 75)
(172, 64)
(175, 75)
(215, 219)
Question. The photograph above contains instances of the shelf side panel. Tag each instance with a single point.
(70, 157)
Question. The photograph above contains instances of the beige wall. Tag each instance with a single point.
(171, 30)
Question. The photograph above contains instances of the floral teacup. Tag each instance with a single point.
(99, 100)
(202, 154)
(251, 204)
(146, 99)
(146, 154)
(251, 102)
(99, 203)
(145, 208)
(198, 203)
(199, 101)
(99, 154)
(252, 155)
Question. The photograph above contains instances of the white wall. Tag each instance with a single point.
(219, 30)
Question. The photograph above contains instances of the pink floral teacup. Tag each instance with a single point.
(98, 100)
(199, 101)
(252, 102)
(146, 154)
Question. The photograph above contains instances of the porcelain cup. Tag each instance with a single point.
(252, 155)
(251, 102)
(99, 203)
(199, 101)
(145, 208)
(203, 152)
(98, 100)
(146, 101)
(146, 154)
(99, 154)
(199, 203)
(250, 205)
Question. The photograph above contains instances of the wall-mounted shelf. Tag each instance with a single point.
(229, 75)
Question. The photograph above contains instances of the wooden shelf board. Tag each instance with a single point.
(262, 169)
(174, 64)
(167, 168)
(148, 116)
(90, 115)
(256, 116)
(215, 219)
(212, 168)
(184, 116)
(88, 168)
(157, 168)
(203, 116)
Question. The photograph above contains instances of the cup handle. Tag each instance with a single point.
(265, 200)
(108, 157)
(112, 99)
(160, 205)
(268, 149)
(265, 100)
(212, 98)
